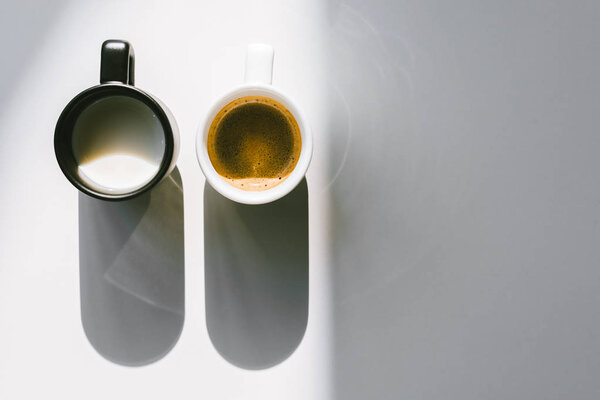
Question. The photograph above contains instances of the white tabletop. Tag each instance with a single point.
(453, 204)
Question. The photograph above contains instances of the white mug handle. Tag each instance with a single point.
(259, 64)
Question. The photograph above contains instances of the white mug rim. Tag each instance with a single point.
(253, 197)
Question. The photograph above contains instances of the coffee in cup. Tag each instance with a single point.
(254, 143)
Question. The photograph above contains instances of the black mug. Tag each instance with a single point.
(114, 141)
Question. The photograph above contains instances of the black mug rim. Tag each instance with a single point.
(63, 136)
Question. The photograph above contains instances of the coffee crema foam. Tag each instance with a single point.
(254, 143)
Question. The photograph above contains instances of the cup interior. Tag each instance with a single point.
(254, 197)
(114, 142)
(118, 144)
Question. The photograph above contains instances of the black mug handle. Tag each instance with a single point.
(117, 62)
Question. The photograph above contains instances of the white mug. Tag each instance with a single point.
(258, 76)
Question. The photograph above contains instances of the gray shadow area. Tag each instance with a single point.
(464, 199)
(256, 277)
(132, 279)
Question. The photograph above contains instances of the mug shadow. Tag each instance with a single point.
(131, 266)
(256, 277)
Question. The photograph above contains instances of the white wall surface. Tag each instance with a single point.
(453, 199)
